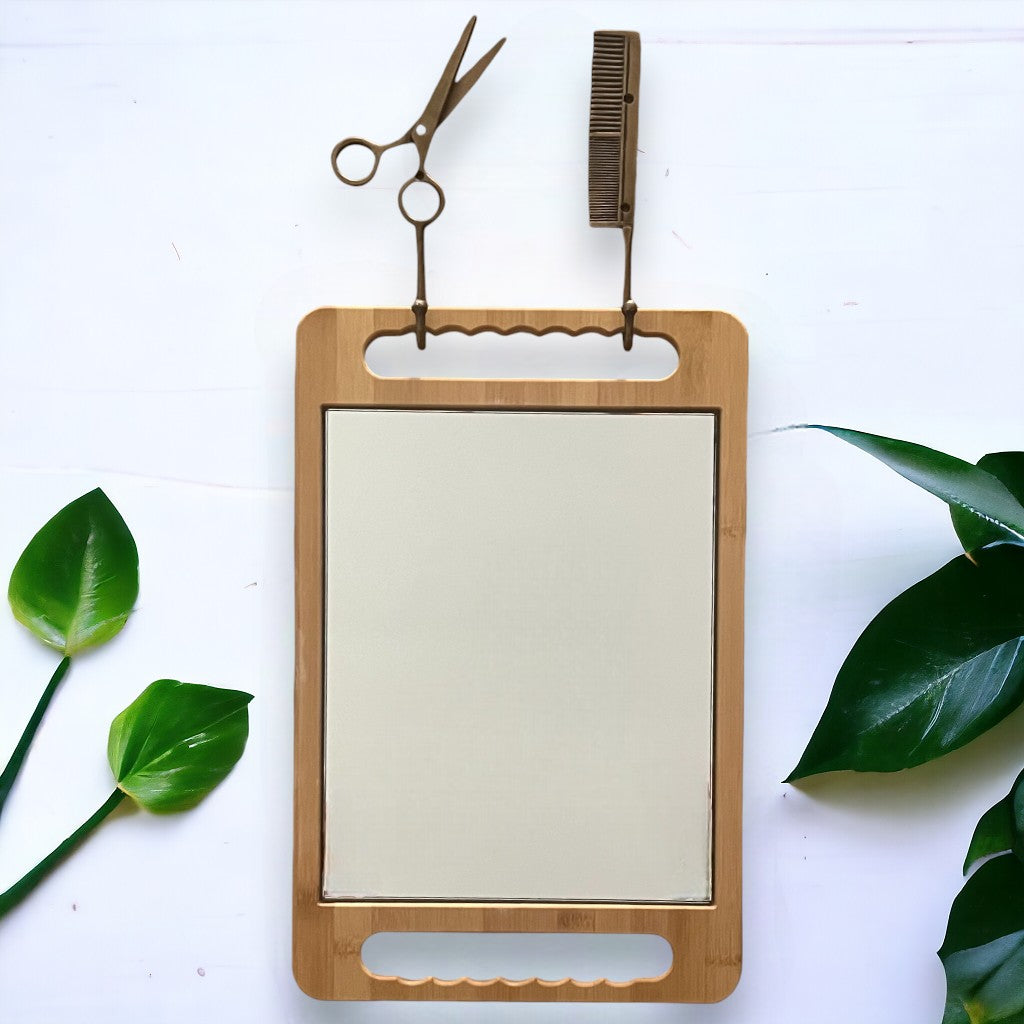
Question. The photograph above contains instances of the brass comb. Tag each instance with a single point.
(614, 102)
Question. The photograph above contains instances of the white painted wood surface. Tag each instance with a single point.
(844, 177)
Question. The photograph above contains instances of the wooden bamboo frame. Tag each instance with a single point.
(705, 938)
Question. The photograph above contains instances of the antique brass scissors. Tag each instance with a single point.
(446, 97)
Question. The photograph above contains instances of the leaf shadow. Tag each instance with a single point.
(966, 777)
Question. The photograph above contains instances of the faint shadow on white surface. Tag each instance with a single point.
(921, 793)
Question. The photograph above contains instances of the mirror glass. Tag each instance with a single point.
(518, 655)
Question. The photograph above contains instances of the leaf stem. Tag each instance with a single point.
(10, 773)
(26, 884)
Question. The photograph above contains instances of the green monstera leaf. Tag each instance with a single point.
(76, 582)
(167, 749)
(974, 533)
(1001, 828)
(983, 951)
(938, 666)
(176, 742)
(973, 491)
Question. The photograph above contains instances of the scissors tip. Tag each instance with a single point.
(490, 54)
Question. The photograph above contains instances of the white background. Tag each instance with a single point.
(844, 177)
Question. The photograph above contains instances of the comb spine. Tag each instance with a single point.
(631, 134)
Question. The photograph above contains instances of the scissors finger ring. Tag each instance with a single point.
(423, 179)
(373, 149)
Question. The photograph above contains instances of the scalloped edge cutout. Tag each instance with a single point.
(521, 354)
(516, 957)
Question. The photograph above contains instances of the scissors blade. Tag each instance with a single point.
(431, 116)
(468, 80)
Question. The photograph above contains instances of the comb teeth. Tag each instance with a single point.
(605, 181)
(615, 78)
(608, 82)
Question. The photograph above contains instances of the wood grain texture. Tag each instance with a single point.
(328, 936)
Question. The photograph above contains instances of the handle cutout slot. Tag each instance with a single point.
(516, 957)
(521, 354)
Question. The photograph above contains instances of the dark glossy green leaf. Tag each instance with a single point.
(1008, 468)
(1001, 828)
(955, 1012)
(76, 582)
(969, 488)
(177, 741)
(983, 951)
(938, 666)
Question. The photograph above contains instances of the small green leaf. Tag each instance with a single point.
(1001, 828)
(177, 741)
(974, 533)
(937, 666)
(76, 582)
(983, 951)
(971, 489)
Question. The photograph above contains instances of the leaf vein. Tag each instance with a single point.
(943, 681)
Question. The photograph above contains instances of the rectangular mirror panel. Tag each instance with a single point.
(518, 662)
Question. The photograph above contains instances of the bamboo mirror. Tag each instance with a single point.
(519, 656)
